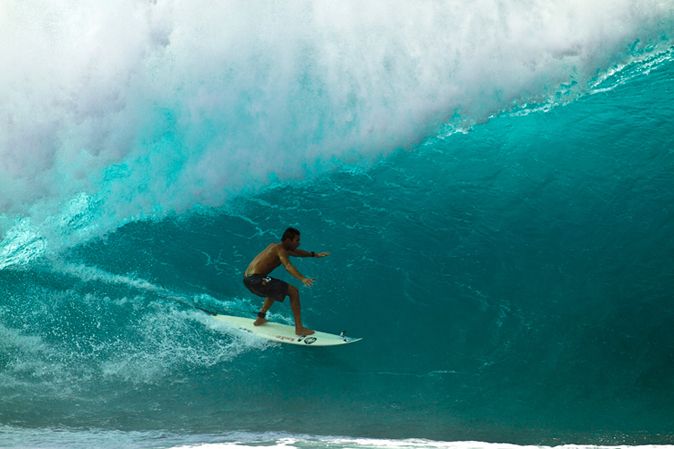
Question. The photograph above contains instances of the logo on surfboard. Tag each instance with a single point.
(307, 340)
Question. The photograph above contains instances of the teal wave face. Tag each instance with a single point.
(513, 277)
(510, 275)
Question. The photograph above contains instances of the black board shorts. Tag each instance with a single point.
(266, 286)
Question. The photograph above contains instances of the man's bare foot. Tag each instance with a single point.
(260, 321)
(303, 331)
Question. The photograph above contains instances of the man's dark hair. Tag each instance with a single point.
(290, 233)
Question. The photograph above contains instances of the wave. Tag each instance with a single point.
(518, 257)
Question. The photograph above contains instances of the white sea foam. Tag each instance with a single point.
(73, 439)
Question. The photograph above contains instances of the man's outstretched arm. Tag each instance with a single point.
(290, 268)
(302, 253)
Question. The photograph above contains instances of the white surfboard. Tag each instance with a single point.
(282, 333)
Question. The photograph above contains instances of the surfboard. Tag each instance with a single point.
(282, 333)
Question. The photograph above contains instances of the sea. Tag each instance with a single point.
(493, 180)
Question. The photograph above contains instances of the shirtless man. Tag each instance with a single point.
(257, 279)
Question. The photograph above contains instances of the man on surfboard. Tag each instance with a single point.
(257, 279)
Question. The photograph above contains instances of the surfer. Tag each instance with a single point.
(258, 281)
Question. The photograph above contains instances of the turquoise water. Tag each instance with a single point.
(495, 186)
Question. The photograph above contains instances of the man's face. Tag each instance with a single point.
(296, 242)
(292, 245)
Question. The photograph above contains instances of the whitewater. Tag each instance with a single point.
(494, 181)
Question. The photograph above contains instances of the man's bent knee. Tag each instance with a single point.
(293, 292)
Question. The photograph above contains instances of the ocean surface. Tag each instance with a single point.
(494, 181)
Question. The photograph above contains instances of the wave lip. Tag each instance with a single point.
(158, 107)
